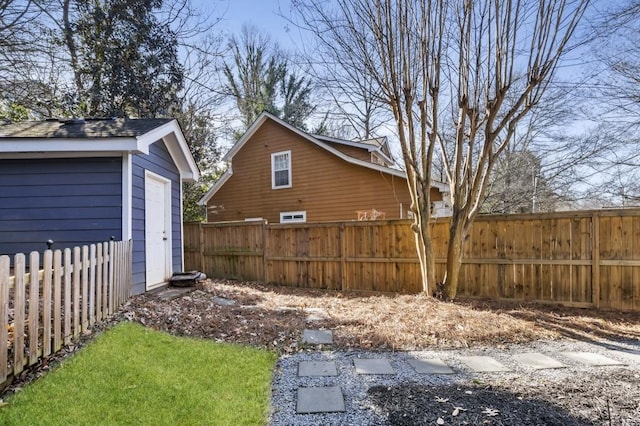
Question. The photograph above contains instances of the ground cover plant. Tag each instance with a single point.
(134, 375)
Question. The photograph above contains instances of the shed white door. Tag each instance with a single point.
(157, 214)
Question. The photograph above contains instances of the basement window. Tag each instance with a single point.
(293, 217)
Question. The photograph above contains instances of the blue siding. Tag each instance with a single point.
(159, 162)
(72, 201)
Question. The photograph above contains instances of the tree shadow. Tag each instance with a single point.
(599, 327)
(463, 404)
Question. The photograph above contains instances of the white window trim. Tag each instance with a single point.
(273, 172)
(293, 219)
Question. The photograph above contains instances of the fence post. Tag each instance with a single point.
(343, 262)
(595, 259)
(201, 248)
(265, 261)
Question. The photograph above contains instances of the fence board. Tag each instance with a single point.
(67, 296)
(18, 314)
(98, 288)
(5, 270)
(85, 287)
(34, 302)
(47, 269)
(77, 271)
(57, 300)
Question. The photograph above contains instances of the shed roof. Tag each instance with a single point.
(97, 137)
(81, 128)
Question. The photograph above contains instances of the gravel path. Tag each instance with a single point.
(575, 395)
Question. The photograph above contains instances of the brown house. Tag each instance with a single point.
(284, 175)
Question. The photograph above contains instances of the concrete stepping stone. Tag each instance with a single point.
(317, 337)
(317, 368)
(538, 361)
(430, 366)
(324, 399)
(635, 356)
(483, 364)
(591, 359)
(373, 366)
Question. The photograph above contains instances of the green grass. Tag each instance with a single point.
(133, 375)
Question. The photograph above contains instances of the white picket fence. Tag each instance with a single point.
(46, 305)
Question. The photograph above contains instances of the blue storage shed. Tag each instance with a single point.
(80, 182)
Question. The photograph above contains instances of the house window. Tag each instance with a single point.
(281, 170)
(293, 217)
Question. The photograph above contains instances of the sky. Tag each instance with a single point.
(261, 13)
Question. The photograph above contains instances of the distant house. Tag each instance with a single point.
(284, 175)
(79, 182)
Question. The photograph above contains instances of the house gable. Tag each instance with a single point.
(324, 185)
(265, 118)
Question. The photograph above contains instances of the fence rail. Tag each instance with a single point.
(46, 303)
(586, 258)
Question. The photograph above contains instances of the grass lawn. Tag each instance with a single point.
(134, 375)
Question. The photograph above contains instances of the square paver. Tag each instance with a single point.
(483, 364)
(538, 361)
(326, 399)
(430, 366)
(317, 337)
(373, 366)
(591, 359)
(317, 368)
(635, 356)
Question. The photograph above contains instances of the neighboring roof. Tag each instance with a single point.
(313, 139)
(99, 136)
(376, 145)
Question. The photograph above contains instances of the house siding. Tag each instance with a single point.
(351, 151)
(72, 201)
(158, 161)
(324, 185)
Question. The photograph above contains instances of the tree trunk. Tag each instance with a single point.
(425, 254)
(454, 258)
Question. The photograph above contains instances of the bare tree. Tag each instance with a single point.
(458, 77)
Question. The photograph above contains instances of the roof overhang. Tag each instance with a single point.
(170, 133)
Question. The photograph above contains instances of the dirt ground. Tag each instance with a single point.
(273, 317)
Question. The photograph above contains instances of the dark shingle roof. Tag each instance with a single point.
(78, 128)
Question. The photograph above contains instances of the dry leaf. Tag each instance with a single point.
(440, 421)
(438, 399)
(491, 412)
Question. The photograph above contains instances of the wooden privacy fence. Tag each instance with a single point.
(57, 299)
(585, 258)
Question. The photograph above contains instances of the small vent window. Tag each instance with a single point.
(293, 217)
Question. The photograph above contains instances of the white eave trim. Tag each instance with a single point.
(216, 186)
(46, 145)
(171, 134)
